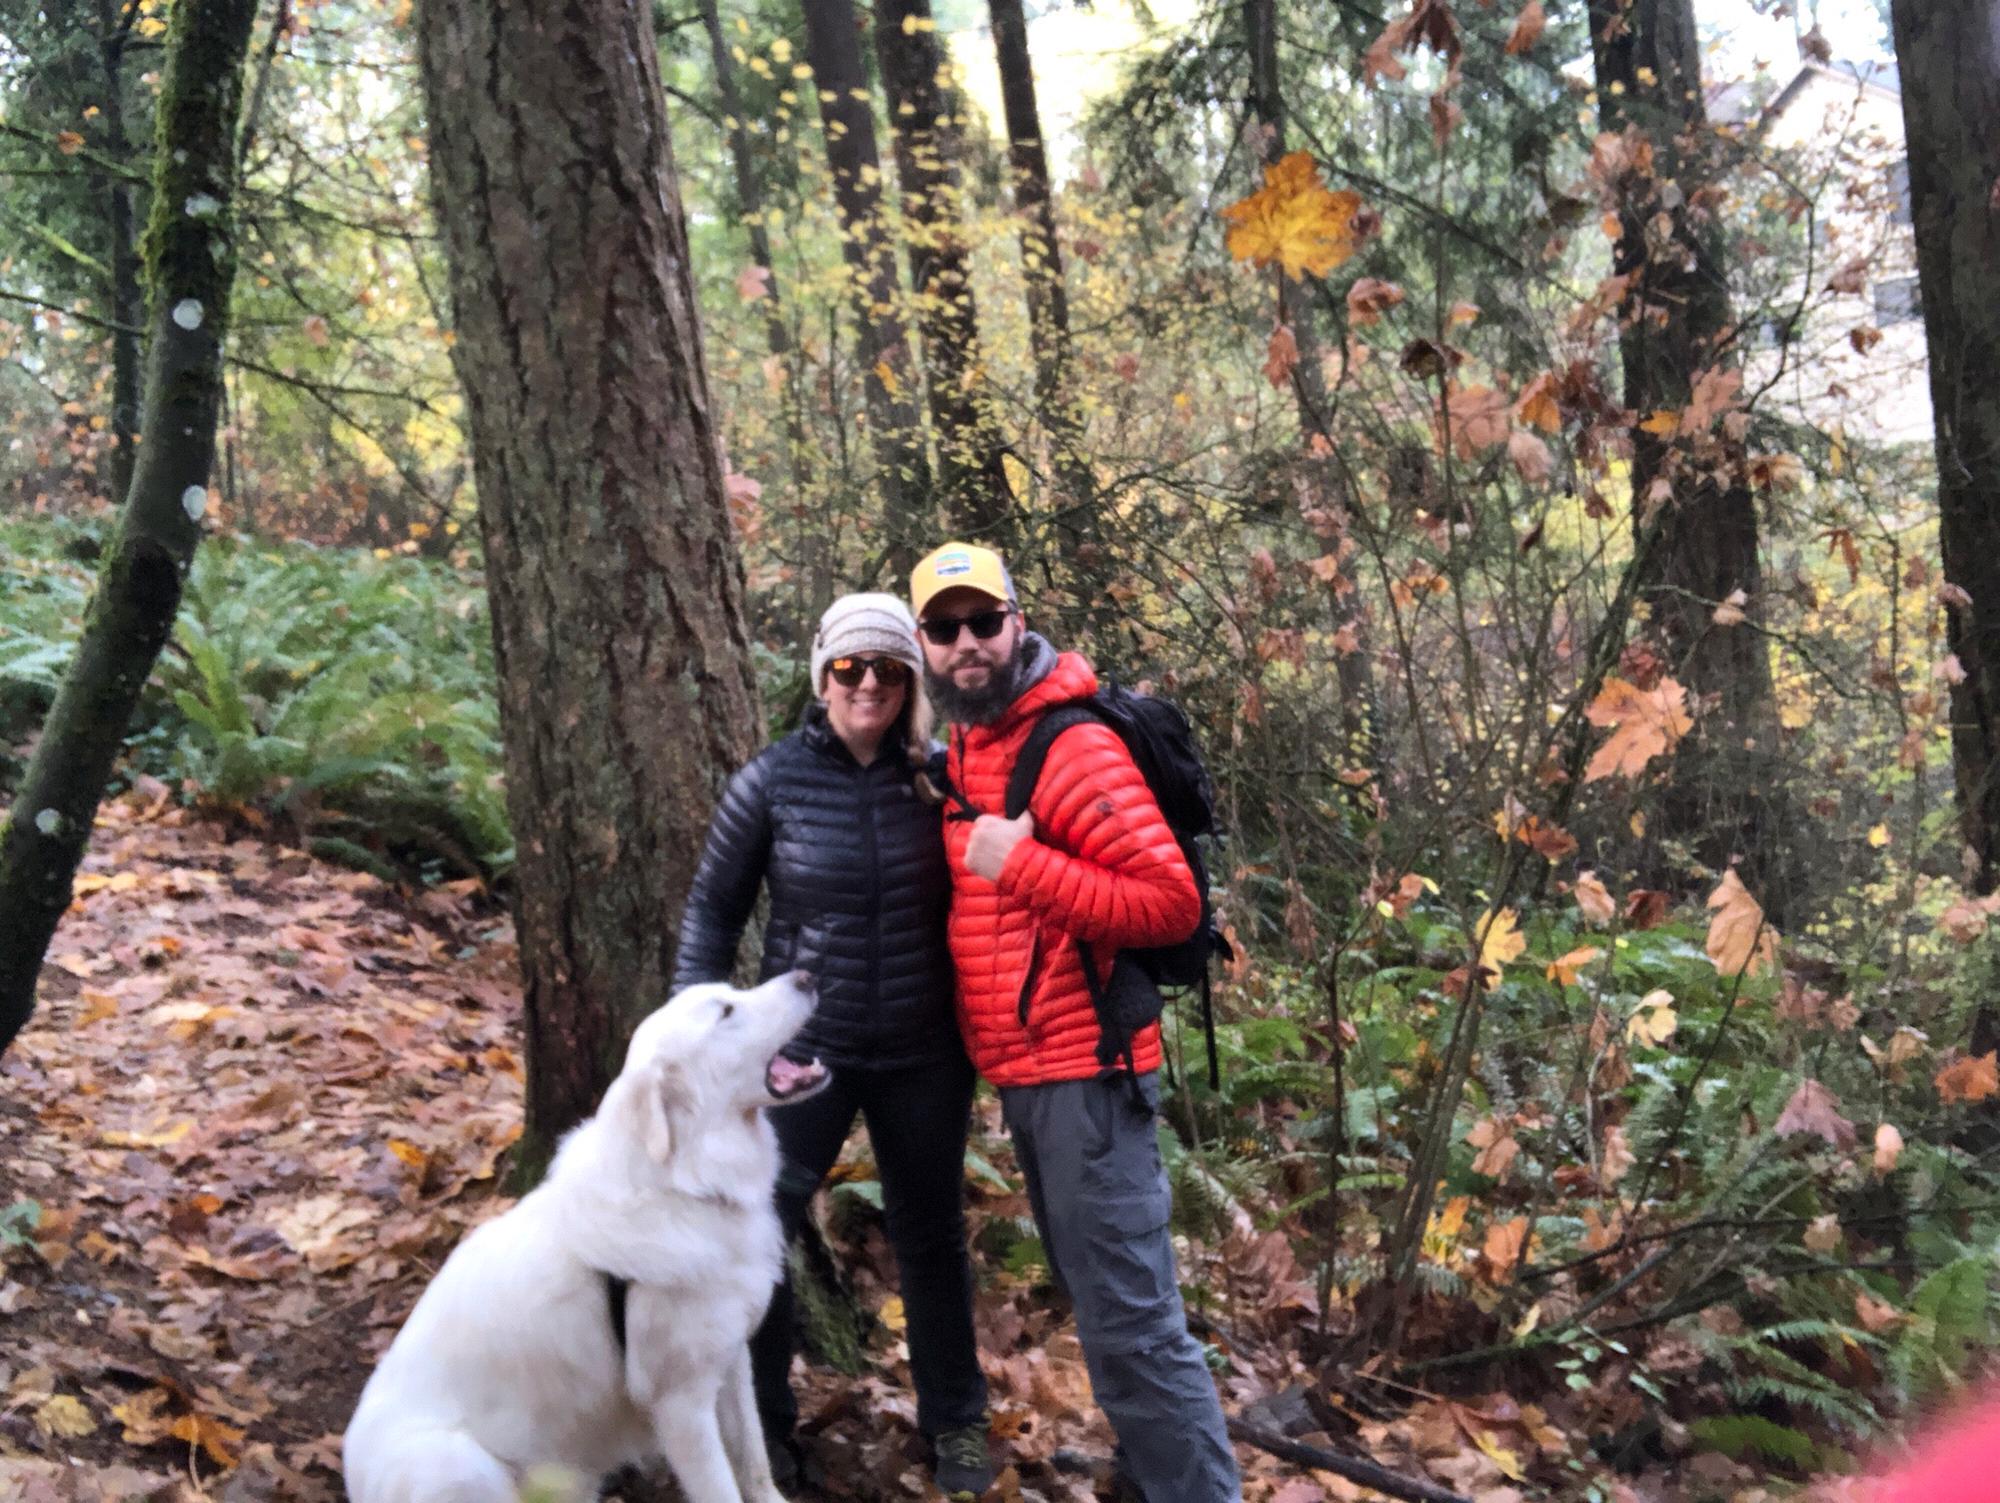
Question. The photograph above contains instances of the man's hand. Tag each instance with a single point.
(993, 841)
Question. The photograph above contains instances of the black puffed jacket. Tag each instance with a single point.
(855, 863)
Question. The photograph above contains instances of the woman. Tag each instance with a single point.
(831, 819)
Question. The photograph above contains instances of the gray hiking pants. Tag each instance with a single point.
(1101, 1200)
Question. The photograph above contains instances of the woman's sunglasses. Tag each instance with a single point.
(942, 631)
(889, 673)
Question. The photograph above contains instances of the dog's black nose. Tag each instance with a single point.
(805, 982)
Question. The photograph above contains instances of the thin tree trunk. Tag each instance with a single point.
(1359, 713)
(626, 690)
(777, 338)
(972, 475)
(833, 47)
(1076, 518)
(1949, 55)
(1725, 800)
(127, 300)
(191, 258)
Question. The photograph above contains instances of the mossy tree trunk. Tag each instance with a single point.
(889, 377)
(626, 690)
(972, 475)
(818, 583)
(1949, 55)
(190, 259)
(127, 296)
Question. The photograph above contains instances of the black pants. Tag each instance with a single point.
(917, 1121)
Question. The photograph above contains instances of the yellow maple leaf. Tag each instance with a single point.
(1654, 1020)
(1294, 220)
(1646, 722)
(1738, 938)
(1499, 942)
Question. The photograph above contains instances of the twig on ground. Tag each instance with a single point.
(1367, 1473)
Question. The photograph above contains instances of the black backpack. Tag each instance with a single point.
(1157, 733)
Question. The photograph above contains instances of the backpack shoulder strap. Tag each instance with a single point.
(1035, 750)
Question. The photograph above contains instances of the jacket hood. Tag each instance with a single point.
(1048, 678)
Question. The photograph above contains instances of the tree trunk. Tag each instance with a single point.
(191, 261)
(1949, 54)
(1725, 800)
(972, 476)
(1358, 707)
(777, 338)
(127, 300)
(626, 691)
(1076, 520)
(833, 47)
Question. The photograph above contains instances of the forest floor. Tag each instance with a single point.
(262, 1099)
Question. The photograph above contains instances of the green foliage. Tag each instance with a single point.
(1739, 1435)
(17, 1222)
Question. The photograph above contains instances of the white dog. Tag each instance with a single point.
(513, 1361)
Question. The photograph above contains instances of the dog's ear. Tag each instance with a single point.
(663, 1096)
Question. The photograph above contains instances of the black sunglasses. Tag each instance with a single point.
(848, 672)
(942, 631)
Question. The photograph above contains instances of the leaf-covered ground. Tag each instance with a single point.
(262, 1099)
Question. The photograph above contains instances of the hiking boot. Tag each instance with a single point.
(964, 1466)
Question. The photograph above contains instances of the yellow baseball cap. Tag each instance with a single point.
(959, 566)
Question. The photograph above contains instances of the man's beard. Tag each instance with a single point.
(981, 706)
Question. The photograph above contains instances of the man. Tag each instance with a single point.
(1090, 860)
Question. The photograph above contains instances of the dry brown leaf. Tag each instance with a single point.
(1594, 899)
(1740, 941)
(1816, 1110)
(1968, 1079)
(1645, 724)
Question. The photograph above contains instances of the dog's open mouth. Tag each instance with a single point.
(785, 1079)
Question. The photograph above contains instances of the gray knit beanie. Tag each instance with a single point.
(875, 624)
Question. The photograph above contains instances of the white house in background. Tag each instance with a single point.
(1852, 353)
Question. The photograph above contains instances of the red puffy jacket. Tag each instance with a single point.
(1102, 866)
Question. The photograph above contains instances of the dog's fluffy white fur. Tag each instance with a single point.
(509, 1366)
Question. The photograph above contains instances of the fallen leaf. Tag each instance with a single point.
(64, 1418)
(1654, 1020)
(1616, 1158)
(1876, 1316)
(1816, 1110)
(753, 282)
(1497, 1145)
(1968, 1078)
(1888, 1148)
(1822, 1234)
(1503, 1247)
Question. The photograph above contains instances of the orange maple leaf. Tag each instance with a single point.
(1647, 722)
(1294, 220)
(1972, 1078)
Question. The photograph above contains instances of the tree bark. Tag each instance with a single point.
(833, 47)
(777, 338)
(971, 473)
(127, 298)
(1949, 55)
(1076, 519)
(1726, 799)
(1359, 711)
(626, 691)
(190, 254)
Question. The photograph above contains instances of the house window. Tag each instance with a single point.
(1896, 301)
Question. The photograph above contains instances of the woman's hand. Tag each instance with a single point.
(993, 841)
